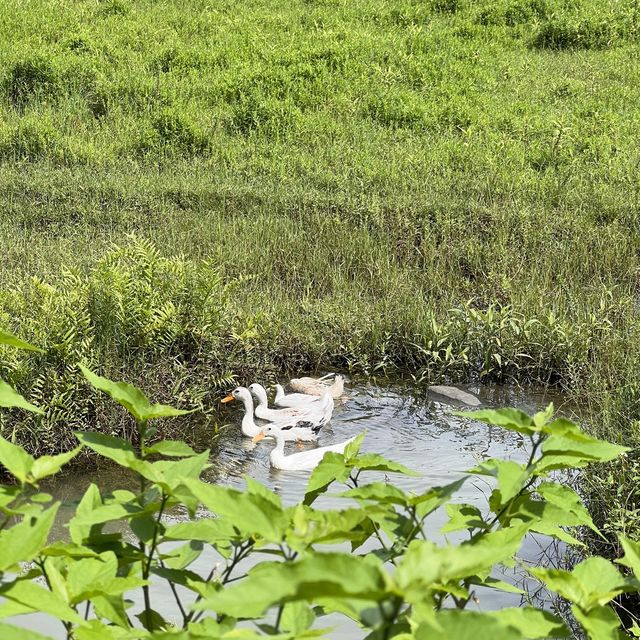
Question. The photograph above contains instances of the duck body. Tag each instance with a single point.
(293, 429)
(302, 461)
(318, 413)
(318, 386)
(296, 400)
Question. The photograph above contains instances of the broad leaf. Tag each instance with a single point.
(297, 617)
(250, 513)
(511, 419)
(321, 575)
(48, 465)
(11, 632)
(16, 460)
(511, 478)
(23, 541)
(332, 468)
(532, 623)
(631, 557)
(601, 623)
(9, 398)
(173, 448)
(115, 449)
(375, 462)
(465, 625)
(592, 583)
(11, 340)
(131, 398)
(463, 516)
(36, 598)
(379, 492)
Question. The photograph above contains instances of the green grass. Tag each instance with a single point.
(445, 189)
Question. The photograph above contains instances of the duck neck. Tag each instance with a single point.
(249, 427)
(261, 397)
(278, 450)
(279, 392)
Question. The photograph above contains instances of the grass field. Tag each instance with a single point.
(447, 189)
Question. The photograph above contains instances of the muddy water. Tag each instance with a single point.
(415, 429)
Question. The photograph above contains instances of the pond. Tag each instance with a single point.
(416, 429)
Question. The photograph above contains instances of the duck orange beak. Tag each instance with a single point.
(229, 398)
(257, 438)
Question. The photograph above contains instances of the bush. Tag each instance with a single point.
(567, 33)
(136, 312)
(398, 109)
(34, 137)
(254, 111)
(394, 582)
(31, 78)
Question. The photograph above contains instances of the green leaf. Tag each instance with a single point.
(170, 474)
(566, 499)
(575, 449)
(9, 398)
(425, 565)
(379, 492)
(592, 583)
(465, 625)
(434, 498)
(312, 526)
(353, 448)
(463, 516)
(511, 419)
(333, 575)
(23, 541)
(631, 557)
(13, 341)
(11, 632)
(89, 578)
(332, 468)
(152, 620)
(601, 623)
(375, 462)
(174, 448)
(181, 557)
(16, 460)
(48, 465)
(511, 478)
(115, 449)
(250, 513)
(258, 489)
(131, 398)
(532, 623)
(36, 598)
(90, 501)
(297, 617)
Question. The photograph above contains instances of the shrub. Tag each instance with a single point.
(254, 111)
(172, 131)
(34, 77)
(574, 33)
(33, 138)
(393, 581)
(134, 311)
(398, 109)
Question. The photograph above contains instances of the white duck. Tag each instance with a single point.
(302, 461)
(318, 386)
(294, 399)
(294, 430)
(317, 414)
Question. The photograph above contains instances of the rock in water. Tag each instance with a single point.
(453, 393)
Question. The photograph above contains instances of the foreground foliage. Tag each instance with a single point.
(307, 561)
